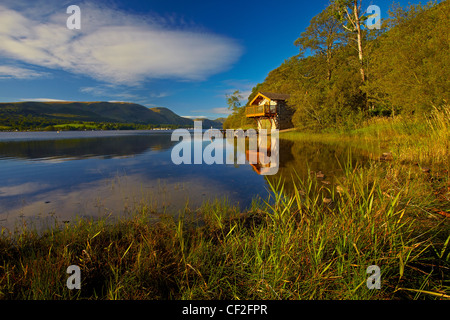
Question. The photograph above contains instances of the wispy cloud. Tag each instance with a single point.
(112, 46)
(43, 100)
(109, 91)
(223, 110)
(229, 86)
(194, 117)
(159, 95)
(9, 72)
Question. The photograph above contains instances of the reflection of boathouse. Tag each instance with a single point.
(264, 157)
(271, 111)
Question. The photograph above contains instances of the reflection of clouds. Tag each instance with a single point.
(53, 135)
(117, 146)
(52, 160)
(116, 196)
(62, 159)
(94, 187)
(24, 188)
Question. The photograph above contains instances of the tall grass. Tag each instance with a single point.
(289, 246)
(292, 245)
(424, 140)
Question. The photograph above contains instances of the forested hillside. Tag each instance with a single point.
(343, 76)
(89, 115)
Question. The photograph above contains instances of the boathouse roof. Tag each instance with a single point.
(275, 96)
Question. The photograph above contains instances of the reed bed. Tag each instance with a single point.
(424, 139)
(292, 245)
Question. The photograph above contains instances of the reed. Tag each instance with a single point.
(292, 245)
(289, 246)
(424, 140)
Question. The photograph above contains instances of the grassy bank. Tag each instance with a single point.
(414, 139)
(393, 214)
(296, 247)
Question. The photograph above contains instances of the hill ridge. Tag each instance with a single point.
(92, 111)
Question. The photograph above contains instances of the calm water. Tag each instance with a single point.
(47, 175)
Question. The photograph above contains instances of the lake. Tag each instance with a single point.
(48, 176)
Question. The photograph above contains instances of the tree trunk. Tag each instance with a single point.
(360, 50)
(328, 66)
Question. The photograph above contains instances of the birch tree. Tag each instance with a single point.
(350, 15)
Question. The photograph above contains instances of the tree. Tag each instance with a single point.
(348, 12)
(322, 36)
(237, 118)
(410, 68)
(234, 101)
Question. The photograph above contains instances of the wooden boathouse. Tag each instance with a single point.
(271, 111)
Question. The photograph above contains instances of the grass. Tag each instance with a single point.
(75, 125)
(415, 140)
(292, 245)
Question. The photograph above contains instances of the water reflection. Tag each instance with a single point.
(116, 173)
(82, 148)
(321, 163)
(324, 163)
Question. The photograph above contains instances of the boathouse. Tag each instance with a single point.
(271, 111)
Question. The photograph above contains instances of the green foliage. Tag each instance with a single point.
(322, 37)
(237, 119)
(410, 63)
(405, 67)
(292, 245)
(234, 101)
(86, 116)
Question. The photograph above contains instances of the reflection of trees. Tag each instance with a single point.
(85, 147)
(300, 158)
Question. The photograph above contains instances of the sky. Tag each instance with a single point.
(185, 55)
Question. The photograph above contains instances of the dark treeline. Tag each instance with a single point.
(20, 122)
(345, 73)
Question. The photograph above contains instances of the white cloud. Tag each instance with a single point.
(245, 94)
(43, 100)
(194, 117)
(159, 95)
(109, 91)
(9, 72)
(221, 110)
(113, 46)
(244, 86)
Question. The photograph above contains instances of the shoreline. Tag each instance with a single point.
(389, 214)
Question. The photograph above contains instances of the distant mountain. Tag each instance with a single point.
(120, 112)
(36, 113)
(207, 123)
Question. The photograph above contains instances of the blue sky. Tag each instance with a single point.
(185, 55)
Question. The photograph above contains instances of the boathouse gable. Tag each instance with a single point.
(271, 107)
